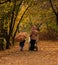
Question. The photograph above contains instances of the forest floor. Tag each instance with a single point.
(47, 54)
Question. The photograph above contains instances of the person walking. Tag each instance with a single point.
(21, 37)
(33, 39)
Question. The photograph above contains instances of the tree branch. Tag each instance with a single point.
(5, 1)
(16, 14)
(52, 7)
(10, 30)
(20, 20)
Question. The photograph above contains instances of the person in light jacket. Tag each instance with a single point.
(33, 39)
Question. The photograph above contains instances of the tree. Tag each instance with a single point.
(55, 12)
(16, 7)
(20, 21)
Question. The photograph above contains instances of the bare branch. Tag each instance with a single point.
(5, 1)
(52, 7)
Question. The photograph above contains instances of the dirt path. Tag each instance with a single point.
(46, 55)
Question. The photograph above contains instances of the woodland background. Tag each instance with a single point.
(20, 15)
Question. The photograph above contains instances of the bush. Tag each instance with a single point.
(50, 35)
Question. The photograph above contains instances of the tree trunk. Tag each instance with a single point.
(7, 43)
(13, 42)
(57, 18)
(1, 44)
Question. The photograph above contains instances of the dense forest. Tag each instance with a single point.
(20, 15)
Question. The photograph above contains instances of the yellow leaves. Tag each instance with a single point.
(11, 4)
(20, 13)
(44, 2)
(50, 9)
(43, 28)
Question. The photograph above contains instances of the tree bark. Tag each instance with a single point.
(57, 18)
(7, 38)
(8, 44)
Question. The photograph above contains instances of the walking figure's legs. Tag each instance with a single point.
(32, 45)
(22, 45)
